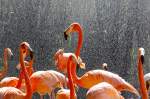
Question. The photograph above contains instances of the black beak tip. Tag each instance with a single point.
(142, 59)
(77, 70)
(65, 36)
(31, 54)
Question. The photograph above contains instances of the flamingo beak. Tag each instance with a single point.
(142, 59)
(31, 54)
(65, 35)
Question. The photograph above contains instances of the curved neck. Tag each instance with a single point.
(21, 74)
(143, 89)
(77, 52)
(27, 81)
(5, 64)
(80, 39)
(71, 85)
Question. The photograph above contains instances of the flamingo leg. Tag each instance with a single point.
(41, 97)
(65, 81)
(53, 94)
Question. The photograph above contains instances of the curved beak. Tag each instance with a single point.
(142, 59)
(31, 54)
(65, 35)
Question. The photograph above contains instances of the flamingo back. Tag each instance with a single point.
(94, 77)
(11, 93)
(43, 82)
(103, 91)
(9, 81)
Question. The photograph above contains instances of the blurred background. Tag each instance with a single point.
(113, 31)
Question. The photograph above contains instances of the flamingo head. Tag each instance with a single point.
(26, 49)
(72, 28)
(105, 67)
(57, 54)
(141, 53)
(9, 52)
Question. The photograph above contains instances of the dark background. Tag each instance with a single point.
(113, 31)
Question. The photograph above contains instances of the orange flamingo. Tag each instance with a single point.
(29, 68)
(48, 82)
(103, 90)
(143, 89)
(12, 92)
(65, 93)
(7, 52)
(14, 81)
(93, 77)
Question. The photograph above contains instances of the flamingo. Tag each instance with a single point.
(66, 93)
(48, 82)
(93, 77)
(61, 59)
(103, 90)
(7, 52)
(15, 81)
(12, 92)
(143, 89)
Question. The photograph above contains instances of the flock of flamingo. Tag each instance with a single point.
(101, 84)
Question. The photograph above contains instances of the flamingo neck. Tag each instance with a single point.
(5, 64)
(21, 74)
(70, 80)
(80, 40)
(27, 81)
(142, 81)
(77, 52)
(20, 80)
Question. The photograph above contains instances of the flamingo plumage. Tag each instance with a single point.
(12, 92)
(103, 90)
(7, 53)
(48, 82)
(143, 89)
(94, 77)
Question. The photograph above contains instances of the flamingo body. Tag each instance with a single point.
(11, 93)
(94, 77)
(9, 81)
(103, 91)
(43, 82)
(61, 60)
